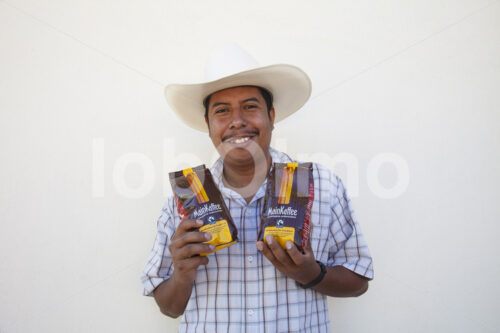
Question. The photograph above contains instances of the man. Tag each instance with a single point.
(253, 286)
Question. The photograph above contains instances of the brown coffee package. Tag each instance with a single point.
(286, 214)
(197, 197)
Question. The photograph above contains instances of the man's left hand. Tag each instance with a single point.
(302, 267)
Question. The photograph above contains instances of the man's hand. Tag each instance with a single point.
(303, 268)
(185, 249)
(187, 243)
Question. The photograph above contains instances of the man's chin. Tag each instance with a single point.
(240, 157)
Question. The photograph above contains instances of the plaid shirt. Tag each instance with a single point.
(239, 289)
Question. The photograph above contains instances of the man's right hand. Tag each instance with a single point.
(185, 249)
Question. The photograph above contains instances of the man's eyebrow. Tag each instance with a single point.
(219, 103)
(253, 99)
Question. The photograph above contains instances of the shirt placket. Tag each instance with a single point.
(252, 287)
(252, 284)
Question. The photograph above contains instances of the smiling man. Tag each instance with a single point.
(240, 122)
(253, 286)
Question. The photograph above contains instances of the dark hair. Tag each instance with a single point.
(266, 94)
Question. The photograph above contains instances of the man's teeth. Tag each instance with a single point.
(239, 140)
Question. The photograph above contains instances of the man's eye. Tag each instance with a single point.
(251, 106)
(220, 110)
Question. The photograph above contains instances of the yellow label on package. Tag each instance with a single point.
(281, 234)
(221, 236)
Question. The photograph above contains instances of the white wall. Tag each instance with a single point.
(81, 87)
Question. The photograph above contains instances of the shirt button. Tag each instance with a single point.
(250, 312)
(250, 258)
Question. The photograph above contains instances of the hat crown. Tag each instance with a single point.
(227, 60)
(230, 66)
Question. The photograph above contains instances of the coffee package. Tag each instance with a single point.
(197, 197)
(286, 214)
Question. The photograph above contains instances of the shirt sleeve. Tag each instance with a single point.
(349, 248)
(159, 267)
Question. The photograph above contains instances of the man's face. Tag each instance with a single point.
(239, 124)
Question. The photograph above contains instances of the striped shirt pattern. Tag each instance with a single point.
(239, 289)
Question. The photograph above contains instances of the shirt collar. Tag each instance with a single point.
(217, 169)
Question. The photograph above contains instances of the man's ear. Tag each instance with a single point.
(271, 117)
(208, 126)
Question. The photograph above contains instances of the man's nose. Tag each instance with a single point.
(237, 118)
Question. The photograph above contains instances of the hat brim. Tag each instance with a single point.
(289, 85)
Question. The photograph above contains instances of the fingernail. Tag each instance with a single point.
(269, 239)
(212, 247)
(208, 236)
(199, 222)
(260, 246)
(288, 245)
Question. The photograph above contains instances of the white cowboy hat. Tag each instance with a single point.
(230, 66)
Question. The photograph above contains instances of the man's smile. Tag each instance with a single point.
(240, 138)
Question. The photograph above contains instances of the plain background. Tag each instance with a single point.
(84, 125)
